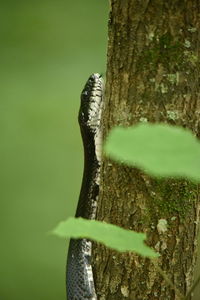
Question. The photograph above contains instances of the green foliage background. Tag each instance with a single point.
(47, 50)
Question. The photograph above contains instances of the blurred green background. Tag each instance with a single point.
(48, 49)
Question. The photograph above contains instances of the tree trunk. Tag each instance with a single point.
(152, 76)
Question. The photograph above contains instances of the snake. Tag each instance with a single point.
(79, 275)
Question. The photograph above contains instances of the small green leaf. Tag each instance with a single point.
(111, 235)
(160, 150)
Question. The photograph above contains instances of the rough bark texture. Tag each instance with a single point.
(152, 75)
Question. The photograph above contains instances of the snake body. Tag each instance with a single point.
(80, 282)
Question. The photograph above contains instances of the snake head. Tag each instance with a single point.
(91, 100)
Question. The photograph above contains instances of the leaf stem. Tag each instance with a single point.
(168, 281)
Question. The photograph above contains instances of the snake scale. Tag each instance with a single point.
(80, 282)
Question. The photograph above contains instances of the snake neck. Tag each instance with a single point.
(89, 192)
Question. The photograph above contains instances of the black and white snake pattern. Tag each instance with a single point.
(80, 282)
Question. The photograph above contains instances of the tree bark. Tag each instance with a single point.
(152, 76)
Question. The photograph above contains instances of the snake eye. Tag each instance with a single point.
(92, 77)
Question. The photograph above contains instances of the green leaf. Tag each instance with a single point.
(161, 150)
(110, 235)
